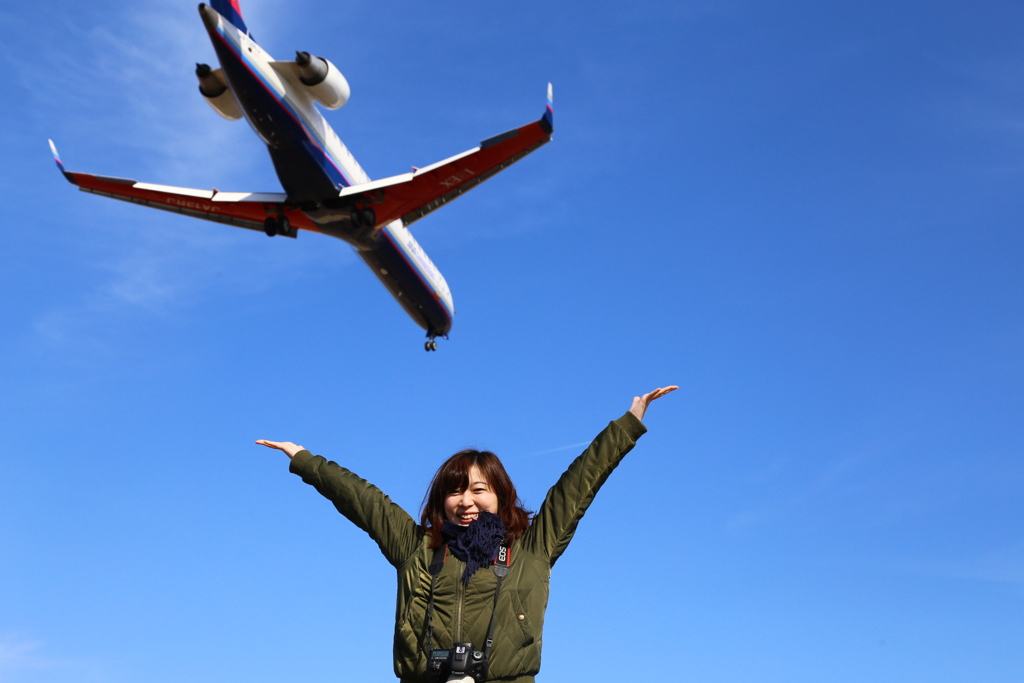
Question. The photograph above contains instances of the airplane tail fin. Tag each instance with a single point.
(231, 11)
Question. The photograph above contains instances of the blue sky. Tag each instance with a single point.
(806, 215)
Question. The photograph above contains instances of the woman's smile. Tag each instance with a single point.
(462, 507)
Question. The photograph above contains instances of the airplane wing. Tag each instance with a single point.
(409, 196)
(241, 209)
(412, 196)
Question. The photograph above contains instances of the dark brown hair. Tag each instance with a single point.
(453, 475)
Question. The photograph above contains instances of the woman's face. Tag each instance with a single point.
(462, 507)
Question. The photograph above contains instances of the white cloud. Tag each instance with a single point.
(1000, 565)
(160, 269)
(146, 64)
(981, 101)
(831, 481)
(19, 653)
(581, 444)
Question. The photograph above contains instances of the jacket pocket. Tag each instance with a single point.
(409, 643)
(521, 617)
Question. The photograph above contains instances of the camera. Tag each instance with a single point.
(461, 660)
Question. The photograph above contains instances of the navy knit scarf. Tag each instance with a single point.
(476, 544)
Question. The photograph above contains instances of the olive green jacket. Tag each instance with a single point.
(462, 613)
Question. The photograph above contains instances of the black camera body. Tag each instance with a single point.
(461, 660)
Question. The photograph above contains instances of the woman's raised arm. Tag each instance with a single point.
(362, 503)
(567, 501)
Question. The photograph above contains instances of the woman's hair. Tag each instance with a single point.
(453, 475)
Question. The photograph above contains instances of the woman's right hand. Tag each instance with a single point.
(640, 403)
(288, 447)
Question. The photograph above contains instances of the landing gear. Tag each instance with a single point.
(363, 221)
(430, 345)
(274, 225)
(364, 218)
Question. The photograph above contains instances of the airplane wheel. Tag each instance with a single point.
(284, 226)
(430, 345)
(270, 226)
(367, 217)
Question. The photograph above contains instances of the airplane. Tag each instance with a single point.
(325, 188)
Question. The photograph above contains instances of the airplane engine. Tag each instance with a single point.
(325, 82)
(214, 88)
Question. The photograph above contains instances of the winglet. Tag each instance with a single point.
(60, 164)
(547, 121)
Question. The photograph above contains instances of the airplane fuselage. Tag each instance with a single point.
(314, 167)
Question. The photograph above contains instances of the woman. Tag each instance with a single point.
(473, 574)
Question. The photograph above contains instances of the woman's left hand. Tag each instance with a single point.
(640, 403)
(288, 447)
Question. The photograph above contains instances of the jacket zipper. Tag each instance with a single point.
(460, 593)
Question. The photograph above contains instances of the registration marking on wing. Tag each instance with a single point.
(458, 178)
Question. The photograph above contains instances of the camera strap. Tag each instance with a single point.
(502, 562)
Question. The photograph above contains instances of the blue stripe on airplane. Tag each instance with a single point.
(418, 271)
(333, 170)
